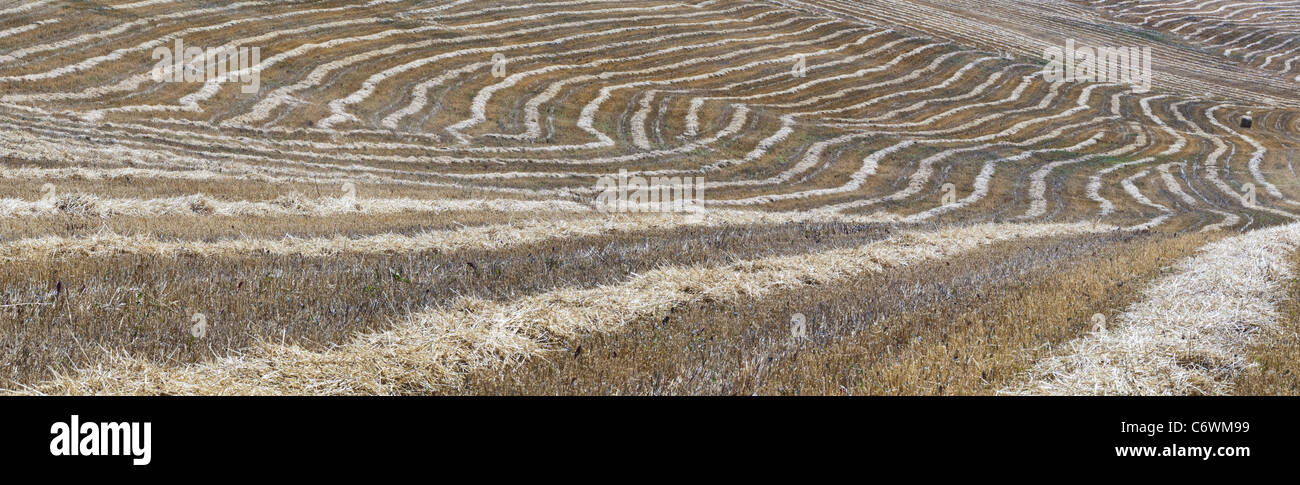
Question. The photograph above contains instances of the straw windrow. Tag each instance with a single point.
(1190, 332)
(477, 237)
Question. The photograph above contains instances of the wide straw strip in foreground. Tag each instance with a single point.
(1190, 332)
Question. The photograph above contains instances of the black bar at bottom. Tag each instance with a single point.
(230, 435)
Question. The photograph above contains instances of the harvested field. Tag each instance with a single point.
(432, 197)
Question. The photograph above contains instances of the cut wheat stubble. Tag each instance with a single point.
(430, 350)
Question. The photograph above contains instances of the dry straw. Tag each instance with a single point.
(1189, 333)
(492, 236)
(293, 204)
(429, 351)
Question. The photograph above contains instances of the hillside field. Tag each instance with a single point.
(866, 197)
